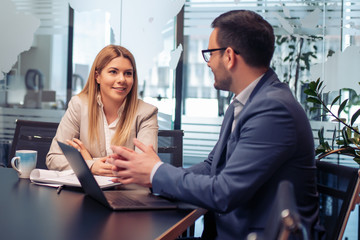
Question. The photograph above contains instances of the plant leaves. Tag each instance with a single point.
(335, 100)
(321, 136)
(356, 159)
(319, 149)
(312, 86)
(354, 117)
(356, 136)
(313, 109)
(320, 84)
(345, 136)
(340, 142)
(327, 147)
(313, 100)
(317, 84)
(310, 92)
(348, 151)
(333, 138)
(342, 106)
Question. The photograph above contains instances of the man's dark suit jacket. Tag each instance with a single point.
(272, 141)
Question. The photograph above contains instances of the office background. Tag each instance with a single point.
(47, 48)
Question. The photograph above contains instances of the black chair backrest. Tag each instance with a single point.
(284, 221)
(170, 146)
(33, 135)
(338, 188)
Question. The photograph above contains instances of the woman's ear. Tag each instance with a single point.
(97, 77)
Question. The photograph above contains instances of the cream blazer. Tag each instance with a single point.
(75, 122)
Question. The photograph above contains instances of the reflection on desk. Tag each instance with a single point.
(29, 211)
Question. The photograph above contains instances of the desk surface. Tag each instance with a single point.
(29, 211)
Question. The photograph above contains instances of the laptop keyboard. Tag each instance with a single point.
(121, 200)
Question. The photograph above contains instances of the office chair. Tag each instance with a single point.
(284, 221)
(33, 135)
(170, 150)
(170, 146)
(338, 188)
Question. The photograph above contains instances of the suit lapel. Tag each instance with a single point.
(268, 79)
(224, 136)
(222, 151)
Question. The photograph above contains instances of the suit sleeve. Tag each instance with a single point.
(203, 167)
(264, 140)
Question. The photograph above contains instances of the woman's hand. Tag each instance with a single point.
(76, 143)
(101, 167)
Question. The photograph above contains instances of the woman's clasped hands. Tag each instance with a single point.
(100, 166)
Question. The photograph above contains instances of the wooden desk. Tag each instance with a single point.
(29, 211)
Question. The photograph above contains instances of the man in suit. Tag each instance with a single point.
(265, 138)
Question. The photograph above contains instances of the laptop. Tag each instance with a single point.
(114, 199)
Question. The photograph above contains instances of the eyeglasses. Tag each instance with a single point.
(207, 53)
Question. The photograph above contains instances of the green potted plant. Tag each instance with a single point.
(347, 138)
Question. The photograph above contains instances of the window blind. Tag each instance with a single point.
(53, 14)
(334, 15)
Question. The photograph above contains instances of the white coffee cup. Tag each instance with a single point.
(24, 162)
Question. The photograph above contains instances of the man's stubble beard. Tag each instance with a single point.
(222, 82)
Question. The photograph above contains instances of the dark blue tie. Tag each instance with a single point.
(228, 120)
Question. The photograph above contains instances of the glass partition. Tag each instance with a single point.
(314, 39)
(148, 32)
(33, 64)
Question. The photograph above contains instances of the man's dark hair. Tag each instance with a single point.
(248, 34)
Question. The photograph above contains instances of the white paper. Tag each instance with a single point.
(68, 178)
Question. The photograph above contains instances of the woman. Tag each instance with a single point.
(106, 112)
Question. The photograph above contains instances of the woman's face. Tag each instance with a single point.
(116, 81)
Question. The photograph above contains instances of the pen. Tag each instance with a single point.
(59, 189)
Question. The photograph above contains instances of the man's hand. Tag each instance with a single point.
(132, 167)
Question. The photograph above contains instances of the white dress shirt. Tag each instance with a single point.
(109, 129)
(240, 100)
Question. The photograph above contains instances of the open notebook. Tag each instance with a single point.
(65, 178)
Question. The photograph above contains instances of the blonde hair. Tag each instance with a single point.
(92, 90)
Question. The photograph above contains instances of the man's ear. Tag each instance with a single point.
(230, 58)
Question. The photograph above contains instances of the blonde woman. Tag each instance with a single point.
(106, 112)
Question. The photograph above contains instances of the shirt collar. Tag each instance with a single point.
(244, 95)
(101, 105)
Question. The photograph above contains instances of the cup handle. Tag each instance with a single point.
(14, 163)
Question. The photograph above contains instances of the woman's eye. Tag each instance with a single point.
(129, 74)
(113, 72)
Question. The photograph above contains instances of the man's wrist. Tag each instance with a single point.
(153, 171)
